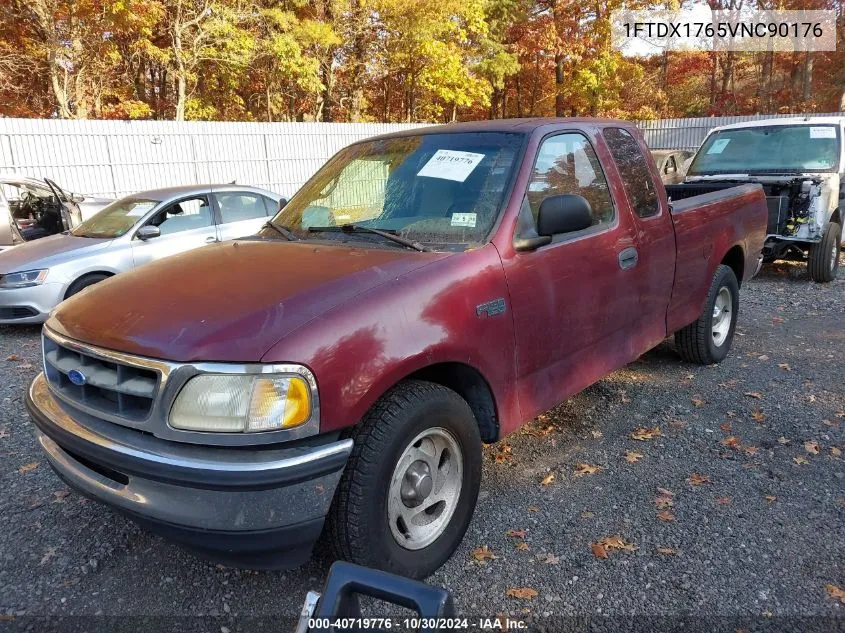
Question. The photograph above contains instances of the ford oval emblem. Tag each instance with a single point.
(77, 377)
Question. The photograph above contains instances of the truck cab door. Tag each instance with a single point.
(573, 300)
(644, 200)
(184, 225)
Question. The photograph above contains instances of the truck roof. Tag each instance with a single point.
(523, 126)
(828, 120)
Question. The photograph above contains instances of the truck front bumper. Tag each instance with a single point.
(252, 507)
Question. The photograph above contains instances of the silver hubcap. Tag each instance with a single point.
(721, 323)
(425, 488)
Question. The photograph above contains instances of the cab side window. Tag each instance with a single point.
(185, 215)
(566, 163)
(633, 167)
(238, 206)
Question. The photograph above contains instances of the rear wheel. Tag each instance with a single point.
(410, 486)
(823, 260)
(83, 282)
(708, 339)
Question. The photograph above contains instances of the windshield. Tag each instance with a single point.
(115, 219)
(431, 188)
(770, 149)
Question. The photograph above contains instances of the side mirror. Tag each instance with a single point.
(282, 203)
(564, 213)
(148, 232)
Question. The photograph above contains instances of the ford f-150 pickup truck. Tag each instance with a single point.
(425, 292)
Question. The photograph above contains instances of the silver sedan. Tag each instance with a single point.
(36, 276)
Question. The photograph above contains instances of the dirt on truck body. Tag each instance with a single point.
(336, 374)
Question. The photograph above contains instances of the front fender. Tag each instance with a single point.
(360, 349)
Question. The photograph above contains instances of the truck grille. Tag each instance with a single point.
(105, 386)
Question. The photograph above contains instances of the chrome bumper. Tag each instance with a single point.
(226, 491)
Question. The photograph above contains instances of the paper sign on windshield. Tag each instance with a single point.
(719, 146)
(463, 219)
(450, 164)
(138, 211)
(823, 132)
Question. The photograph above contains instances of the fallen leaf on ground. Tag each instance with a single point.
(800, 460)
(533, 509)
(617, 542)
(777, 320)
(678, 424)
(697, 479)
(644, 433)
(522, 546)
(783, 440)
(516, 533)
(549, 559)
(665, 515)
(841, 414)
(731, 442)
(811, 398)
(548, 479)
(28, 467)
(785, 366)
(835, 592)
(586, 469)
(725, 426)
(835, 451)
(483, 554)
(596, 433)
(812, 447)
(598, 550)
(769, 498)
(61, 494)
(13, 358)
(724, 501)
(750, 450)
(830, 423)
(587, 515)
(754, 394)
(697, 401)
(666, 492)
(663, 502)
(757, 415)
(632, 457)
(501, 458)
(521, 593)
(666, 550)
(762, 357)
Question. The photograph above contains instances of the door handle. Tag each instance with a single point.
(210, 240)
(628, 258)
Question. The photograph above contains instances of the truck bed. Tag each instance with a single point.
(724, 220)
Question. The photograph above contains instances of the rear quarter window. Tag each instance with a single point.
(633, 167)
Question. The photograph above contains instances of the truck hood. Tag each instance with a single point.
(48, 251)
(227, 302)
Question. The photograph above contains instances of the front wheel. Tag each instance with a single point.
(823, 258)
(708, 339)
(410, 486)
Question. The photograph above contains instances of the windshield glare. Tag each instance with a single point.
(115, 219)
(430, 188)
(770, 149)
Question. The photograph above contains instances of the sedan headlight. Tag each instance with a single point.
(242, 403)
(24, 279)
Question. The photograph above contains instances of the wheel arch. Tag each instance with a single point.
(735, 260)
(88, 273)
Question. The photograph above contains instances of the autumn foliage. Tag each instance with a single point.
(378, 60)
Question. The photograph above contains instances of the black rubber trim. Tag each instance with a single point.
(188, 477)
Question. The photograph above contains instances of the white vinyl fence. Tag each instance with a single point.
(115, 158)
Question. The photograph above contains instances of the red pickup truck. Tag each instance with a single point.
(424, 293)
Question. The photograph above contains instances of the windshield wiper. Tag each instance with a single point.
(281, 230)
(357, 228)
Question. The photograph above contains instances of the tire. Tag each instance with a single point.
(359, 527)
(698, 342)
(83, 282)
(823, 261)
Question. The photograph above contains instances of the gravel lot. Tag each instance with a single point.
(760, 537)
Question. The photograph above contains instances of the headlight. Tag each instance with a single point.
(242, 403)
(24, 279)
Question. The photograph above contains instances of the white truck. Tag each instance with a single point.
(801, 166)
